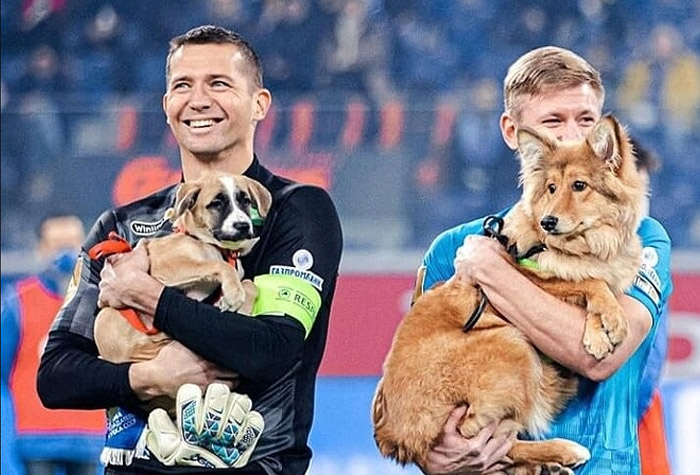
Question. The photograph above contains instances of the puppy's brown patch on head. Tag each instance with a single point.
(217, 208)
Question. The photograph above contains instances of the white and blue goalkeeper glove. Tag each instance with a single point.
(219, 431)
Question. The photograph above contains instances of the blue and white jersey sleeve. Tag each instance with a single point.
(652, 285)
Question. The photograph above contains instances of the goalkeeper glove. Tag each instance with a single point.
(219, 431)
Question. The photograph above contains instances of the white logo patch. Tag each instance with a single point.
(650, 257)
(302, 274)
(303, 259)
(143, 228)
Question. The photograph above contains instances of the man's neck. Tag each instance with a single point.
(193, 167)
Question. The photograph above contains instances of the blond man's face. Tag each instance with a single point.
(566, 114)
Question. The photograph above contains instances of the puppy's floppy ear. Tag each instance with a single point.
(187, 194)
(606, 139)
(259, 194)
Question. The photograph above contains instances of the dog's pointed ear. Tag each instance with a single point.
(532, 146)
(260, 195)
(606, 139)
(186, 197)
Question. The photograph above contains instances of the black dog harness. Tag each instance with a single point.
(493, 225)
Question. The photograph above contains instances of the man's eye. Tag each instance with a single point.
(552, 188)
(579, 185)
(552, 121)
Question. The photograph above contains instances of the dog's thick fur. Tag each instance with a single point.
(595, 193)
(212, 214)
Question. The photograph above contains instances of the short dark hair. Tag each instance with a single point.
(211, 34)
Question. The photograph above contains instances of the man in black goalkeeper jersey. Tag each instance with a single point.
(214, 99)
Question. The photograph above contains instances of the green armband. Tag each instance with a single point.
(287, 295)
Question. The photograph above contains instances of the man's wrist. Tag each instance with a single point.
(141, 381)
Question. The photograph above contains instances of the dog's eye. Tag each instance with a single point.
(552, 188)
(217, 202)
(579, 185)
(244, 200)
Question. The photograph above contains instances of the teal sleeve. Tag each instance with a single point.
(652, 285)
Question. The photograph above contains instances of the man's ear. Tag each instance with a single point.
(509, 131)
(263, 101)
(165, 108)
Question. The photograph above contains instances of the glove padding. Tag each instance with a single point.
(220, 431)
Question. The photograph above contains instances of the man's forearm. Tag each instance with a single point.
(555, 327)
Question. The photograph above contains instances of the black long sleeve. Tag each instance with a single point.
(258, 348)
(72, 377)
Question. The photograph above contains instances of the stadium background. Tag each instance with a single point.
(392, 105)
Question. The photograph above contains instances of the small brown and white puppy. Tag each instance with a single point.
(213, 215)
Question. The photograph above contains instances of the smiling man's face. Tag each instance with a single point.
(210, 101)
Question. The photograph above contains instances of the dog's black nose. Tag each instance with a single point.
(242, 227)
(549, 223)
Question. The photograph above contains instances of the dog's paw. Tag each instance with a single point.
(597, 344)
(554, 469)
(228, 304)
(616, 326)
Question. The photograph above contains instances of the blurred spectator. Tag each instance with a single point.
(47, 442)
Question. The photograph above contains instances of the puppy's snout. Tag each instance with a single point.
(549, 223)
(242, 227)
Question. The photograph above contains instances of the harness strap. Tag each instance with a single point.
(114, 244)
(493, 225)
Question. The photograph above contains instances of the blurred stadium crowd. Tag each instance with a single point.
(393, 105)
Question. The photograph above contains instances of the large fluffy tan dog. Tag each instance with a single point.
(214, 216)
(583, 201)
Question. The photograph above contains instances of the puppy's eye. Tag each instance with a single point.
(552, 188)
(579, 185)
(244, 200)
(217, 202)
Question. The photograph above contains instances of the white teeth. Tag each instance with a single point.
(201, 123)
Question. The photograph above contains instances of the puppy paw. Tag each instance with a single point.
(597, 344)
(230, 303)
(616, 326)
(554, 469)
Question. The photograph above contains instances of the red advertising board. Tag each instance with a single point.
(367, 309)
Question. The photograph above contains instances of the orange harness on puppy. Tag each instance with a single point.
(115, 244)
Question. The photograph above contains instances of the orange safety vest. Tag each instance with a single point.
(652, 440)
(38, 307)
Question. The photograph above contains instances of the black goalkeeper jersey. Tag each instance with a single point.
(276, 362)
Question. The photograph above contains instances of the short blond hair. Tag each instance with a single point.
(547, 68)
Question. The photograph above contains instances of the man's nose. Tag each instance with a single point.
(200, 98)
(571, 131)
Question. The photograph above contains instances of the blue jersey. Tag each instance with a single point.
(603, 416)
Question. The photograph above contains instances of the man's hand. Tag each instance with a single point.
(456, 455)
(477, 255)
(173, 366)
(125, 282)
(219, 431)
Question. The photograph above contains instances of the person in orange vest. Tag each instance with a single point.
(44, 441)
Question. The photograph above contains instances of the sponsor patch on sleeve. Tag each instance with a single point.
(299, 273)
(642, 283)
